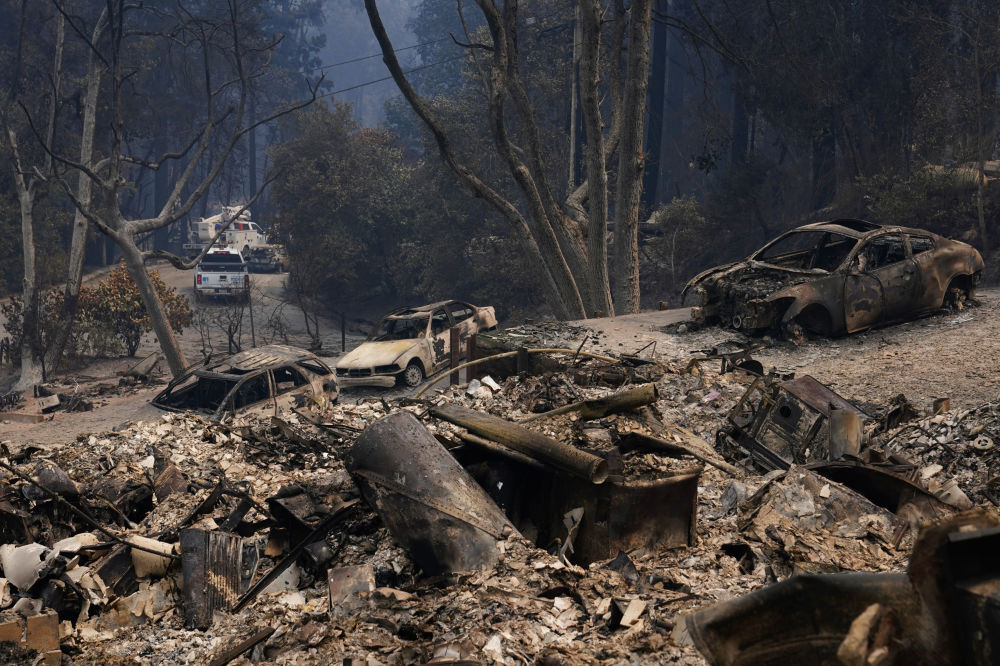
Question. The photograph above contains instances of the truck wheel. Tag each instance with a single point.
(413, 375)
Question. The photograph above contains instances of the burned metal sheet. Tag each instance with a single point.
(432, 507)
(973, 575)
(781, 423)
(802, 620)
(884, 488)
(618, 515)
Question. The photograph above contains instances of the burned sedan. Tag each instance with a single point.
(409, 344)
(837, 277)
(261, 381)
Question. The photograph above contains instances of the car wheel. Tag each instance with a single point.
(958, 295)
(814, 320)
(413, 375)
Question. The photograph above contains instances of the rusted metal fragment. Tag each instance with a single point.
(800, 620)
(884, 488)
(213, 574)
(545, 449)
(972, 570)
(117, 572)
(618, 515)
(432, 507)
(780, 423)
(350, 587)
(171, 480)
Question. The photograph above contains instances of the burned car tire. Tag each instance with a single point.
(960, 292)
(413, 375)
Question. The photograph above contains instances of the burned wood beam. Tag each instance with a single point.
(596, 408)
(544, 449)
(640, 440)
(500, 450)
(229, 654)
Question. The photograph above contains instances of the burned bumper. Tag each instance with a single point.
(384, 377)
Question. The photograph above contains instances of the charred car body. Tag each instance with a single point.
(409, 344)
(837, 277)
(263, 380)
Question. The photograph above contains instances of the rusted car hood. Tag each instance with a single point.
(372, 353)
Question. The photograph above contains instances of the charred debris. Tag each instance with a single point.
(556, 509)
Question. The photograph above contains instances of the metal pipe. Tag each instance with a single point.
(544, 449)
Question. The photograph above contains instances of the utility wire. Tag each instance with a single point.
(389, 78)
(379, 54)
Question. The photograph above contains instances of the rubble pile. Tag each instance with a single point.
(955, 451)
(286, 540)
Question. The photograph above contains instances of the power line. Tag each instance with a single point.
(389, 78)
(379, 54)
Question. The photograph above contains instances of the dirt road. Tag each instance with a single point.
(946, 355)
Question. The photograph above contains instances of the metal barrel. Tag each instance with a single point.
(432, 507)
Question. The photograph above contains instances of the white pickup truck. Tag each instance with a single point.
(222, 273)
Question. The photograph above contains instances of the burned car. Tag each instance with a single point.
(409, 344)
(261, 381)
(837, 277)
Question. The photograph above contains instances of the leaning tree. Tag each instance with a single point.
(567, 239)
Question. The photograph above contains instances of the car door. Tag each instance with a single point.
(881, 283)
(440, 336)
(291, 387)
(930, 289)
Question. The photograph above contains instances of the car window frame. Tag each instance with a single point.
(867, 241)
(927, 237)
(448, 319)
(290, 366)
(463, 306)
(304, 365)
(229, 404)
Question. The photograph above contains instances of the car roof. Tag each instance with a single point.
(258, 358)
(854, 228)
(409, 311)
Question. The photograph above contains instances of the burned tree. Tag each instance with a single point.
(228, 61)
(566, 240)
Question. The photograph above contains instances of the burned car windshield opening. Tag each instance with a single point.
(401, 329)
(808, 250)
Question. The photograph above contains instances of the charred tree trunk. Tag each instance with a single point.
(32, 359)
(78, 241)
(134, 260)
(31, 363)
(626, 236)
(597, 173)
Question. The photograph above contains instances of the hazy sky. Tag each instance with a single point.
(349, 36)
